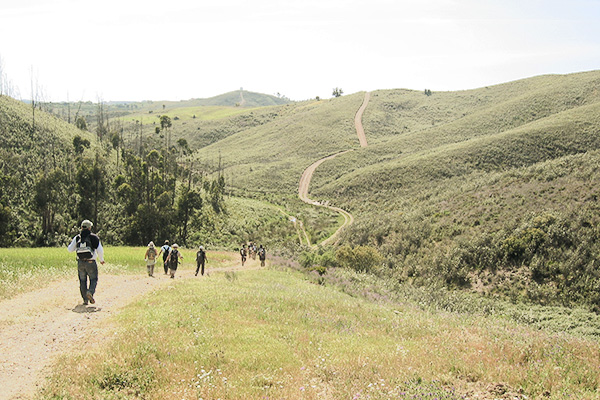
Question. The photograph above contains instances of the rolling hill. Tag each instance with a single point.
(490, 189)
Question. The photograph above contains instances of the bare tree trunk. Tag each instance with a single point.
(33, 100)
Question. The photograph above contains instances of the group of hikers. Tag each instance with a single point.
(171, 258)
(252, 251)
(89, 251)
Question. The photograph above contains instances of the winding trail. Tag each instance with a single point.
(360, 131)
(308, 173)
(39, 326)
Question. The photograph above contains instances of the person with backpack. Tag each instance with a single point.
(262, 255)
(173, 259)
(165, 250)
(89, 250)
(200, 260)
(243, 254)
(150, 258)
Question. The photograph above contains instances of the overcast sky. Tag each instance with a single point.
(182, 49)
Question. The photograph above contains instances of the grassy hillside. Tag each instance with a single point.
(32, 146)
(270, 157)
(496, 196)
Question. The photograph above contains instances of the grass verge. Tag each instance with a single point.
(274, 334)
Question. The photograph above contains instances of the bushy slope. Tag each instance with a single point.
(29, 148)
(501, 199)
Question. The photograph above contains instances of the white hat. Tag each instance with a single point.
(151, 244)
(175, 245)
(201, 247)
(86, 224)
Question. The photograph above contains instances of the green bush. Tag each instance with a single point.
(359, 258)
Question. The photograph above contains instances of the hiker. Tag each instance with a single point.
(243, 254)
(262, 255)
(88, 249)
(165, 250)
(252, 249)
(150, 258)
(200, 260)
(173, 259)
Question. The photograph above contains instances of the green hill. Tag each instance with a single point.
(425, 193)
(37, 156)
(488, 189)
(497, 197)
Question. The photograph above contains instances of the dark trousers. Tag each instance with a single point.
(200, 267)
(87, 270)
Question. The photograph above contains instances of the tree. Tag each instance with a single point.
(216, 191)
(102, 127)
(165, 122)
(187, 204)
(80, 144)
(337, 92)
(50, 196)
(81, 123)
(7, 223)
(91, 188)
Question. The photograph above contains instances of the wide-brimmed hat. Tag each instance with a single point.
(151, 244)
(201, 247)
(86, 224)
(175, 245)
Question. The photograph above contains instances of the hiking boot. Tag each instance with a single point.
(85, 302)
(90, 297)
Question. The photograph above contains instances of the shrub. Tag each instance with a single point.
(360, 258)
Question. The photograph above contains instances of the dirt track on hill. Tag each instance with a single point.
(360, 131)
(303, 194)
(39, 326)
(308, 173)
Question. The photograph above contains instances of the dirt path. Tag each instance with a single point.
(308, 173)
(360, 131)
(303, 194)
(38, 326)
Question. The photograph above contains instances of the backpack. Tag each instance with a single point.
(261, 253)
(151, 254)
(174, 257)
(84, 250)
(166, 253)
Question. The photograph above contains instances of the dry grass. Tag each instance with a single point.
(273, 334)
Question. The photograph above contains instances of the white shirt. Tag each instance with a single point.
(97, 254)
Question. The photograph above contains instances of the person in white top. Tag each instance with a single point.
(89, 250)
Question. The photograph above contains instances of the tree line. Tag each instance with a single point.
(54, 174)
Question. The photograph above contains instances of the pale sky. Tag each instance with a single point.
(182, 49)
